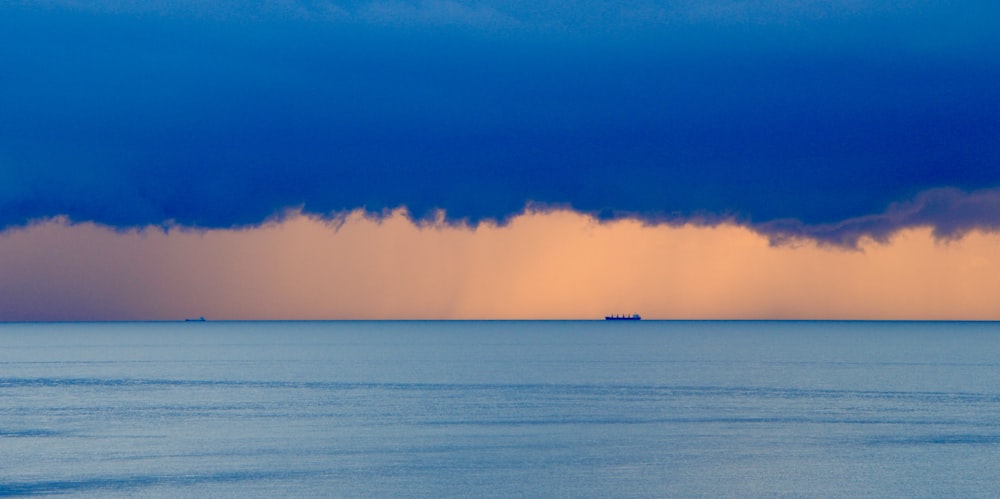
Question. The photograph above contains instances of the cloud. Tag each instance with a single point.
(434, 13)
(951, 213)
(803, 123)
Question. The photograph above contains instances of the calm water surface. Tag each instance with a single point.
(500, 409)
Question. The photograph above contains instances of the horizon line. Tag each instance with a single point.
(171, 321)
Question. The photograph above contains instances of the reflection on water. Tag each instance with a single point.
(500, 409)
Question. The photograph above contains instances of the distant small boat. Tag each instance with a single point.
(633, 317)
(200, 319)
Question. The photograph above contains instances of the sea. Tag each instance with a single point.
(500, 409)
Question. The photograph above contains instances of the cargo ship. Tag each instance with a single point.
(633, 317)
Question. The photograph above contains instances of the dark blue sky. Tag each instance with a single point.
(792, 117)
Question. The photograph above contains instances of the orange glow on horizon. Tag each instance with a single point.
(543, 265)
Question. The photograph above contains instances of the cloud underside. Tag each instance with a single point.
(951, 213)
(833, 122)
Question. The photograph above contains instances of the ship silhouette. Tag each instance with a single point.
(633, 317)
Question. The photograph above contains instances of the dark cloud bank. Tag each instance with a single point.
(831, 124)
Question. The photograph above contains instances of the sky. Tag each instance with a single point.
(313, 159)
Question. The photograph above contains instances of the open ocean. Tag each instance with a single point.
(500, 409)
